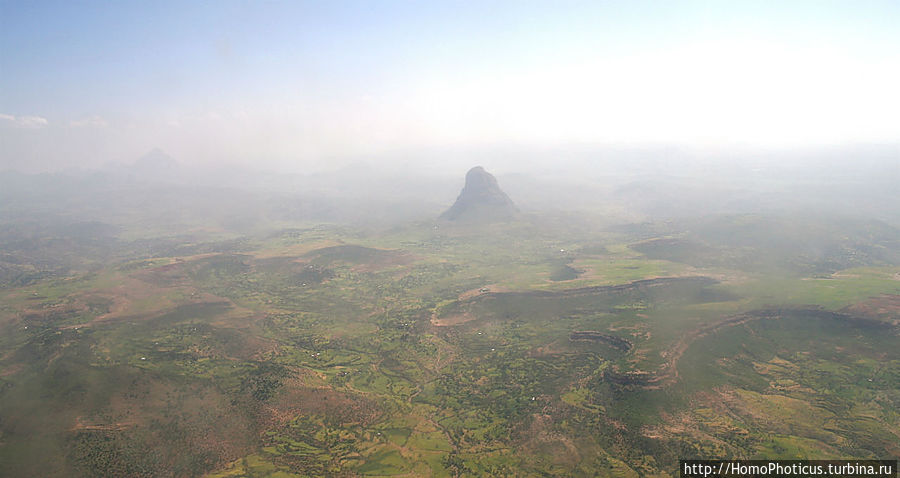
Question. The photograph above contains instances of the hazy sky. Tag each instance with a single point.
(83, 83)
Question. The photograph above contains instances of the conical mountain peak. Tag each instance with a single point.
(481, 200)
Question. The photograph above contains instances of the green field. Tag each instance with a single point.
(515, 349)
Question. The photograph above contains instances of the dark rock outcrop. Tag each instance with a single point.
(611, 340)
(481, 200)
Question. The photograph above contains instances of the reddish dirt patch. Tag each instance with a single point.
(450, 320)
(553, 348)
(883, 307)
(11, 370)
(481, 290)
(467, 296)
(81, 424)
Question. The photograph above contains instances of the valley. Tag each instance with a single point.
(441, 350)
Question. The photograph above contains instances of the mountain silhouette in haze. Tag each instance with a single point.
(481, 200)
(156, 165)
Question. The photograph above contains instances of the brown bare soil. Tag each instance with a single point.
(450, 320)
(11, 370)
(883, 307)
(469, 294)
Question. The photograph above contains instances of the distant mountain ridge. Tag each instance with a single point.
(481, 200)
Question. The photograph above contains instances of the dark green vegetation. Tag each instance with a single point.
(534, 348)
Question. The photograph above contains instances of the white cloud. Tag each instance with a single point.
(89, 122)
(23, 121)
(699, 94)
